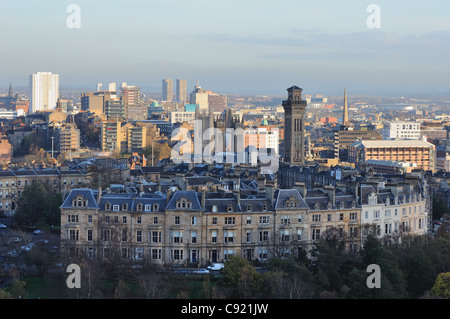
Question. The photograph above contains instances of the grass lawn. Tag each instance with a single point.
(43, 288)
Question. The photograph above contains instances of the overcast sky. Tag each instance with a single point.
(231, 46)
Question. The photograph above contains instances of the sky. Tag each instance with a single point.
(230, 46)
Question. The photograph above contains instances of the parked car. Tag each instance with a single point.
(216, 266)
(201, 271)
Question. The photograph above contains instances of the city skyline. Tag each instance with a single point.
(233, 47)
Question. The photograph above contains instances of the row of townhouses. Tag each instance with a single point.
(197, 227)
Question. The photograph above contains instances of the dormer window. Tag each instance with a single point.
(139, 207)
(229, 208)
(316, 206)
(156, 207)
(108, 206)
(341, 205)
(214, 209)
(249, 207)
(124, 206)
(329, 205)
(183, 203)
(264, 207)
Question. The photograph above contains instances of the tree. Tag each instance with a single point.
(240, 279)
(441, 286)
(37, 205)
(393, 282)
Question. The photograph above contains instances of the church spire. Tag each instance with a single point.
(345, 121)
(10, 93)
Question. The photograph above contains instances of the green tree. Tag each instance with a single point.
(18, 289)
(393, 282)
(36, 205)
(441, 287)
(240, 279)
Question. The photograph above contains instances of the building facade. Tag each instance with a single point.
(410, 151)
(44, 91)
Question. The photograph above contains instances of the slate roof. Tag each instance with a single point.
(189, 195)
(284, 194)
(89, 194)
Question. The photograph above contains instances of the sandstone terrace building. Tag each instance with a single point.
(187, 227)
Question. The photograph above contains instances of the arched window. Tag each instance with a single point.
(139, 207)
(249, 207)
(124, 206)
(156, 207)
(108, 206)
(214, 209)
(229, 208)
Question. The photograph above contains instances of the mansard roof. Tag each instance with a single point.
(284, 194)
(189, 195)
(86, 193)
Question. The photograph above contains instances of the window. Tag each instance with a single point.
(148, 208)
(285, 220)
(156, 253)
(124, 219)
(177, 254)
(263, 253)
(315, 234)
(249, 208)
(214, 220)
(229, 208)
(72, 218)
(214, 209)
(285, 236)
(105, 235)
(263, 235)
(116, 219)
(214, 237)
(353, 232)
(248, 236)
(194, 237)
(193, 220)
(299, 219)
(177, 220)
(177, 237)
(116, 208)
(376, 214)
(89, 234)
(353, 216)
(139, 236)
(107, 206)
(249, 220)
(316, 218)
(155, 220)
(230, 220)
(74, 234)
(156, 236)
(155, 207)
(264, 219)
(139, 207)
(89, 218)
(299, 234)
(329, 217)
(124, 235)
(341, 217)
(138, 220)
(228, 236)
